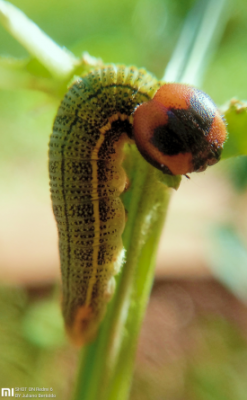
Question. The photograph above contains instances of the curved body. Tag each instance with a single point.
(93, 122)
(176, 128)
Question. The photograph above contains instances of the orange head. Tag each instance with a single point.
(180, 130)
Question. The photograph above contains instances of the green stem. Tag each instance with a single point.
(107, 364)
(114, 349)
(60, 62)
(199, 38)
(141, 286)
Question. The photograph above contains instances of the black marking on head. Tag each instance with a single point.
(183, 133)
(195, 125)
(170, 139)
(210, 156)
(203, 107)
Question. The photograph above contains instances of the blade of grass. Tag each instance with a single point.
(199, 38)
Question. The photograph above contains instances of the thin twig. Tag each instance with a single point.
(59, 61)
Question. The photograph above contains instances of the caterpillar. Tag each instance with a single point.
(176, 128)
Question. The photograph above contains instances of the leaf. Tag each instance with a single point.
(236, 119)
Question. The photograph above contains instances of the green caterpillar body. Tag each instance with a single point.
(93, 122)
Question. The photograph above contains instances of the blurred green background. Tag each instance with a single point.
(143, 33)
(200, 352)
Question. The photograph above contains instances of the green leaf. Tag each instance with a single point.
(236, 119)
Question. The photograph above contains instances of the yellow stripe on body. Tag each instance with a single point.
(94, 156)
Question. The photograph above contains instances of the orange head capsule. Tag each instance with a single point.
(180, 130)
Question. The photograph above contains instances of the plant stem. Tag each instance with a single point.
(108, 363)
(60, 62)
(199, 38)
